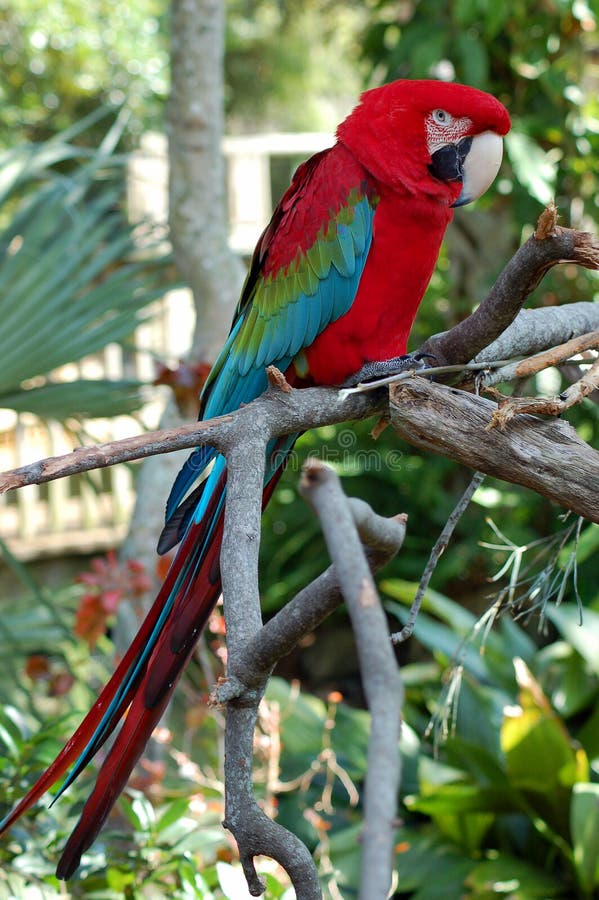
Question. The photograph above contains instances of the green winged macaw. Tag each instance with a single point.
(332, 291)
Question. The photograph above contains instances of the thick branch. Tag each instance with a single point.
(287, 412)
(535, 330)
(380, 674)
(295, 410)
(254, 832)
(546, 456)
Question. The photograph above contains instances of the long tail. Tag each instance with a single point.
(144, 680)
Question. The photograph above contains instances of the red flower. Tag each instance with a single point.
(108, 583)
(186, 382)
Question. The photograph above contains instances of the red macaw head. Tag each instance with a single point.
(432, 137)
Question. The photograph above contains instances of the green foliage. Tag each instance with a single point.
(72, 280)
(535, 59)
(504, 802)
(277, 52)
(513, 778)
(60, 60)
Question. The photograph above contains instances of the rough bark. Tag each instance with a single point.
(448, 421)
(199, 234)
(546, 456)
(197, 197)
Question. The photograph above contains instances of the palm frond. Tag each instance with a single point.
(72, 279)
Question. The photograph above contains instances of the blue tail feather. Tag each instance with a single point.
(192, 563)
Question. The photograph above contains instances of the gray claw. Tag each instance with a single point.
(372, 370)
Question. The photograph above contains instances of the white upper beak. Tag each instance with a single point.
(480, 166)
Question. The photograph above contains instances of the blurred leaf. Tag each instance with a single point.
(428, 864)
(21, 572)
(541, 759)
(232, 882)
(462, 799)
(584, 822)
(118, 880)
(302, 725)
(138, 810)
(442, 640)
(585, 547)
(473, 57)
(514, 878)
(27, 162)
(9, 734)
(589, 735)
(531, 166)
(583, 636)
(83, 399)
(566, 678)
(345, 853)
(173, 812)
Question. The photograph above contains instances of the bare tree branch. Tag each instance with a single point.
(557, 355)
(548, 406)
(83, 459)
(440, 546)
(250, 662)
(382, 539)
(297, 410)
(532, 365)
(288, 411)
(549, 246)
(533, 331)
(380, 674)
(321, 406)
(254, 832)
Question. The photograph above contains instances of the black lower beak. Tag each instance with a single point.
(447, 163)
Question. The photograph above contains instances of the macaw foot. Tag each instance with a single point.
(386, 368)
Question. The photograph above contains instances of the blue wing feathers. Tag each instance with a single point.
(192, 468)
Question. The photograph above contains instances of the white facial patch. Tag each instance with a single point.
(442, 128)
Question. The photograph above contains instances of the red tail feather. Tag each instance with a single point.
(76, 745)
(196, 594)
(112, 778)
(196, 600)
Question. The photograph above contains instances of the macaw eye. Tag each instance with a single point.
(442, 118)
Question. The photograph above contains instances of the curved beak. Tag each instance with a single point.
(480, 166)
(474, 161)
